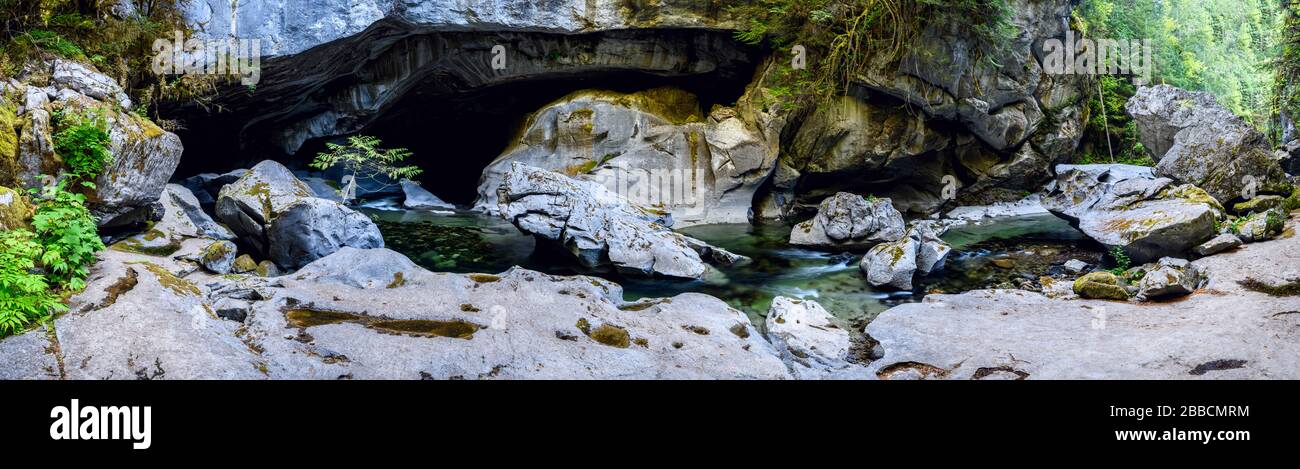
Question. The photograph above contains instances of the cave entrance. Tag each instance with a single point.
(454, 138)
(454, 121)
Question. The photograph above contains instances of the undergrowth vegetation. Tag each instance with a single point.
(844, 37)
(41, 264)
(89, 32)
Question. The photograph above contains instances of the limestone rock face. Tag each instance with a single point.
(349, 63)
(276, 213)
(809, 341)
(1197, 141)
(515, 325)
(850, 221)
(286, 33)
(137, 319)
(654, 147)
(79, 78)
(600, 228)
(1128, 207)
(1014, 121)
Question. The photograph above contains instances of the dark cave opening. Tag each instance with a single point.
(454, 131)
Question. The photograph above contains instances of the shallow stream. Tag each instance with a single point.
(1002, 253)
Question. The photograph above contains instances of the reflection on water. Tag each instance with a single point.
(1031, 246)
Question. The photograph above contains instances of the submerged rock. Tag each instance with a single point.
(270, 209)
(1197, 141)
(809, 341)
(850, 221)
(600, 228)
(1128, 207)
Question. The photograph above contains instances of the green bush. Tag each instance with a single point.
(68, 234)
(83, 145)
(1122, 261)
(24, 294)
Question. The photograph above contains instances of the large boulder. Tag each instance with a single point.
(895, 264)
(1197, 141)
(1128, 207)
(599, 227)
(653, 147)
(277, 214)
(314, 228)
(849, 221)
(810, 341)
(1169, 277)
(144, 158)
(184, 216)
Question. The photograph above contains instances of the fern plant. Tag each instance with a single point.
(68, 233)
(24, 294)
(83, 145)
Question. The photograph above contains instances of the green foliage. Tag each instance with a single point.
(362, 157)
(1286, 67)
(1122, 261)
(24, 293)
(842, 36)
(68, 234)
(1220, 46)
(83, 145)
(1111, 122)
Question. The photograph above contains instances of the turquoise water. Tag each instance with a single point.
(471, 242)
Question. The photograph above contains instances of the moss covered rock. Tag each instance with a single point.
(1258, 204)
(1100, 286)
(244, 264)
(8, 145)
(14, 211)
